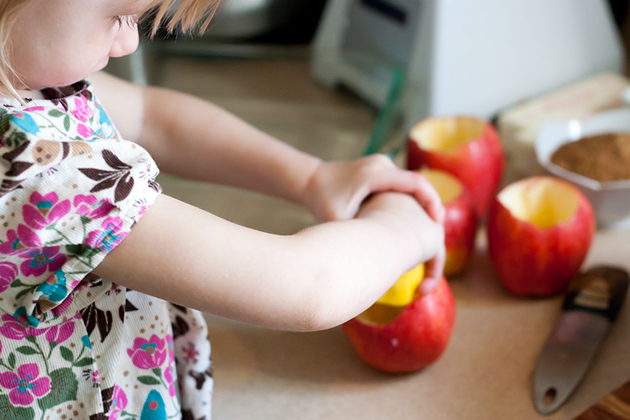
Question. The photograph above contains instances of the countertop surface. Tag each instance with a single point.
(485, 373)
(486, 370)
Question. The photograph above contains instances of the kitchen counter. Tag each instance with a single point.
(485, 372)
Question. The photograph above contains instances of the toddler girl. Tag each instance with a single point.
(85, 329)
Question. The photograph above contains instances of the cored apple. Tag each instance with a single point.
(408, 338)
(460, 222)
(467, 147)
(404, 290)
(539, 232)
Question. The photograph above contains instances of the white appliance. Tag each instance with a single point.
(462, 56)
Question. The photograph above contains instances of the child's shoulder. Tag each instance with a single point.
(70, 113)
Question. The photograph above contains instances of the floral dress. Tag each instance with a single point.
(73, 345)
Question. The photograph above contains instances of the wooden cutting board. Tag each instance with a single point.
(614, 406)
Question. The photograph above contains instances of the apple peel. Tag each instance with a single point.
(460, 220)
(467, 147)
(407, 339)
(539, 232)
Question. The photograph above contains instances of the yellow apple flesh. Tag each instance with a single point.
(405, 288)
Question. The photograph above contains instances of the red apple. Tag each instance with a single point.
(404, 339)
(466, 147)
(539, 232)
(460, 222)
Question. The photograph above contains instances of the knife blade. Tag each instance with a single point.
(589, 308)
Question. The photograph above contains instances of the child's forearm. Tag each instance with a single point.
(364, 257)
(194, 139)
(314, 280)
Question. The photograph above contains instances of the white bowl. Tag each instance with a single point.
(610, 200)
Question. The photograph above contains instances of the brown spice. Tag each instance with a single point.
(603, 158)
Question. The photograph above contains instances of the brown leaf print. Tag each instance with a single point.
(9, 185)
(13, 154)
(120, 177)
(17, 168)
(188, 415)
(180, 327)
(108, 397)
(113, 161)
(200, 377)
(94, 317)
(126, 308)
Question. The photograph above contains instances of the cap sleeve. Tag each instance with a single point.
(65, 203)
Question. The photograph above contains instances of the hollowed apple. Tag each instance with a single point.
(467, 147)
(539, 232)
(460, 222)
(405, 288)
(408, 338)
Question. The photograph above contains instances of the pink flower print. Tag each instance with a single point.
(84, 131)
(34, 108)
(59, 334)
(18, 241)
(190, 353)
(25, 383)
(107, 238)
(8, 273)
(38, 261)
(148, 354)
(168, 375)
(81, 111)
(142, 210)
(92, 207)
(59, 309)
(45, 210)
(96, 380)
(16, 330)
(119, 403)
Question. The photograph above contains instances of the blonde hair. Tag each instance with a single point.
(9, 11)
(185, 15)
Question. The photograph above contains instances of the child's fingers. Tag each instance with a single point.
(434, 272)
(429, 199)
(428, 284)
(415, 184)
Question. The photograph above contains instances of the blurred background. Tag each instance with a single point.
(341, 78)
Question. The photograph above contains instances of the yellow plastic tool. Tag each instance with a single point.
(403, 291)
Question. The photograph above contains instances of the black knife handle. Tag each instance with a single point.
(600, 290)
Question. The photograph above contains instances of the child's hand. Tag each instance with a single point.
(416, 220)
(337, 189)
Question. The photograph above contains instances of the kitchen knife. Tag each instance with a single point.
(590, 307)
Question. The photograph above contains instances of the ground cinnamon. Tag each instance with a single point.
(603, 157)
